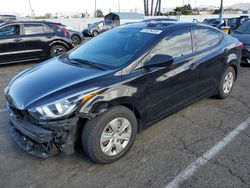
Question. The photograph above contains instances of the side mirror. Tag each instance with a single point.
(159, 60)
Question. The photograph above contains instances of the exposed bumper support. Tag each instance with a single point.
(41, 141)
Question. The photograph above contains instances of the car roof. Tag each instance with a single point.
(164, 25)
(160, 19)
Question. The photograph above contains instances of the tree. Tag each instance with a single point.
(157, 7)
(185, 10)
(99, 13)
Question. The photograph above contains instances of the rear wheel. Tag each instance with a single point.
(226, 83)
(76, 39)
(57, 50)
(107, 137)
(95, 33)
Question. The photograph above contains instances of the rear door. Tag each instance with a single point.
(11, 44)
(210, 58)
(171, 87)
(36, 40)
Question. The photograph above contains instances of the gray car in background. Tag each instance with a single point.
(243, 34)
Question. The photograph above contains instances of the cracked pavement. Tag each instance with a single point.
(159, 153)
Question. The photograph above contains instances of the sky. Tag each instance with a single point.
(51, 6)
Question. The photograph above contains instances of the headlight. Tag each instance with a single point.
(61, 107)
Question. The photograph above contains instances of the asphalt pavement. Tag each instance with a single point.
(160, 155)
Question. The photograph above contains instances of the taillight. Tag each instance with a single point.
(239, 46)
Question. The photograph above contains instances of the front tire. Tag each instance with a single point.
(227, 83)
(109, 136)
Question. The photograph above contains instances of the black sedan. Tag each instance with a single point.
(116, 85)
(243, 34)
(26, 41)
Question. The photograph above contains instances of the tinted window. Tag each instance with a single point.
(244, 28)
(12, 30)
(30, 29)
(47, 29)
(176, 45)
(113, 48)
(205, 38)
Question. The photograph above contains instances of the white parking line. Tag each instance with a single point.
(193, 167)
(3, 110)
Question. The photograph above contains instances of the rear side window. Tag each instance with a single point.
(31, 29)
(205, 38)
(177, 44)
(48, 29)
(10, 31)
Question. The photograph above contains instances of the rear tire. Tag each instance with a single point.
(226, 83)
(76, 40)
(57, 50)
(95, 33)
(109, 136)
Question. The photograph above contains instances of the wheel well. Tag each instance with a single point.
(106, 106)
(75, 35)
(236, 70)
(133, 109)
(58, 43)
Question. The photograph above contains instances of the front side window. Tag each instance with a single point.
(10, 31)
(205, 38)
(31, 29)
(177, 44)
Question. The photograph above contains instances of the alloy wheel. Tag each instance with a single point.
(228, 82)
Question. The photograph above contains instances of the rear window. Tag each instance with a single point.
(205, 38)
(31, 29)
(47, 29)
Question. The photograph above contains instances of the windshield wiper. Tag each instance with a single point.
(82, 61)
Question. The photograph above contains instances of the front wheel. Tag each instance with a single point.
(108, 137)
(227, 83)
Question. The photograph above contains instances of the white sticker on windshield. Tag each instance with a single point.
(152, 31)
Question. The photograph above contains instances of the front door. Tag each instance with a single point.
(171, 87)
(11, 45)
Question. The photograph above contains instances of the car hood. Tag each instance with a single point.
(244, 38)
(50, 81)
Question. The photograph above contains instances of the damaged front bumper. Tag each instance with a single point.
(43, 139)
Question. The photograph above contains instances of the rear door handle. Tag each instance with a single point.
(18, 40)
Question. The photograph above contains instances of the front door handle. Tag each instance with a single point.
(18, 40)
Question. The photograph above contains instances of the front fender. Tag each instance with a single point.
(118, 95)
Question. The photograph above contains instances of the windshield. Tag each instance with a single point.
(244, 28)
(113, 48)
